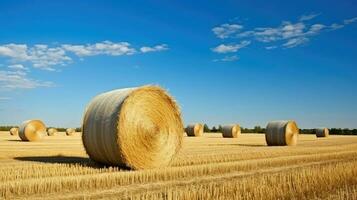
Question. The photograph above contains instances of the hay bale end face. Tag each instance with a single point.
(70, 131)
(194, 130)
(322, 132)
(14, 131)
(32, 130)
(281, 133)
(52, 132)
(231, 131)
(139, 128)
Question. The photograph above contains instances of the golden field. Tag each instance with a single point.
(208, 167)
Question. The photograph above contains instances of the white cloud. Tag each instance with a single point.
(19, 80)
(44, 57)
(230, 48)
(271, 47)
(295, 42)
(315, 29)
(288, 34)
(161, 47)
(268, 34)
(100, 48)
(335, 26)
(308, 17)
(225, 30)
(227, 59)
(47, 57)
(18, 67)
(349, 21)
(39, 55)
(14, 51)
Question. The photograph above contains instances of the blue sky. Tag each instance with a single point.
(225, 62)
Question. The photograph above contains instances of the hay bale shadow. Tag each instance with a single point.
(59, 159)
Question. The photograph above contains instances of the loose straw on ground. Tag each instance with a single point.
(322, 132)
(194, 130)
(281, 133)
(32, 130)
(139, 128)
(231, 131)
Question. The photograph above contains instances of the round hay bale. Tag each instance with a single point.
(14, 131)
(281, 133)
(139, 128)
(32, 130)
(51, 131)
(322, 132)
(194, 130)
(70, 131)
(231, 131)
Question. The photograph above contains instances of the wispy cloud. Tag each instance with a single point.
(5, 98)
(286, 35)
(308, 17)
(271, 47)
(20, 80)
(225, 30)
(161, 47)
(349, 21)
(295, 42)
(18, 67)
(101, 48)
(230, 48)
(227, 59)
(45, 57)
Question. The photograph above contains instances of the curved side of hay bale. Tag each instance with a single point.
(139, 128)
(281, 133)
(194, 130)
(32, 130)
(70, 131)
(52, 131)
(231, 131)
(14, 131)
(322, 132)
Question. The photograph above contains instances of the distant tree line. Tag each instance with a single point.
(333, 131)
(258, 129)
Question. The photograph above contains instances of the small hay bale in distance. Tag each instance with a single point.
(231, 131)
(70, 131)
(322, 132)
(282, 133)
(14, 131)
(32, 130)
(52, 131)
(194, 130)
(139, 128)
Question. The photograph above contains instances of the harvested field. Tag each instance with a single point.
(208, 167)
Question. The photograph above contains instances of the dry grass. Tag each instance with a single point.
(208, 167)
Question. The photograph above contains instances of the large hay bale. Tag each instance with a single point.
(32, 130)
(70, 131)
(231, 131)
(194, 130)
(322, 132)
(139, 128)
(52, 131)
(280, 133)
(14, 131)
